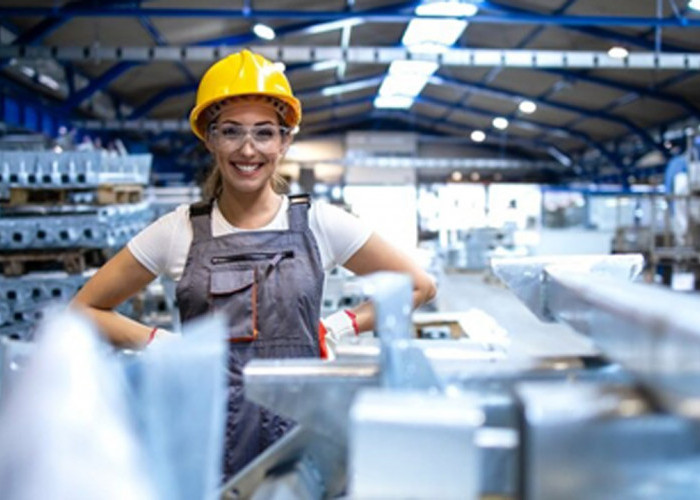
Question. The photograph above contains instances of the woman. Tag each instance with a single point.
(247, 249)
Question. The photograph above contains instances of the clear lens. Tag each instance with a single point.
(264, 137)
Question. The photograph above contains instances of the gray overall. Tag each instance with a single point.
(270, 285)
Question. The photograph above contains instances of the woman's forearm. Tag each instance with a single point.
(365, 314)
(116, 328)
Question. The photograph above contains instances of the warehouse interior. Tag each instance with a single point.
(539, 160)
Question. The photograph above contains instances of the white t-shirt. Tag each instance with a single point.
(162, 247)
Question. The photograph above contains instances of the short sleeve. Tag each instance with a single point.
(152, 247)
(339, 234)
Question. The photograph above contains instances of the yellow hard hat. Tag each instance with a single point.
(241, 74)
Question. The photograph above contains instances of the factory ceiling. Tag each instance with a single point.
(524, 79)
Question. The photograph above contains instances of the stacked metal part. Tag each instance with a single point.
(55, 226)
(414, 418)
(72, 169)
(80, 227)
(24, 298)
(150, 426)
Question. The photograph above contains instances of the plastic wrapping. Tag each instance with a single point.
(65, 431)
(180, 399)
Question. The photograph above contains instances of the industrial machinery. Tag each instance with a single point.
(404, 417)
(431, 419)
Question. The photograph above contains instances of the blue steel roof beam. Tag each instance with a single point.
(159, 40)
(99, 83)
(513, 96)
(529, 124)
(301, 28)
(70, 70)
(522, 142)
(329, 126)
(159, 98)
(166, 94)
(594, 29)
(494, 72)
(45, 27)
(680, 102)
(390, 17)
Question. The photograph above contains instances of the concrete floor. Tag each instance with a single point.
(529, 336)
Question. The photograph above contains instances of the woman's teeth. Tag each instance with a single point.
(246, 168)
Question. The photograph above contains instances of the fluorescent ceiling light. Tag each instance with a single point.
(478, 136)
(409, 85)
(27, 71)
(49, 82)
(393, 101)
(527, 107)
(264, 31)
(432, 35)
(403, 67)
(448, 9)
(342, 88)
(618, 52)
(334, 25)
(327, 64)
(694, 5)
(500, 123)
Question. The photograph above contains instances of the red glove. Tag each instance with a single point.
(334, 327)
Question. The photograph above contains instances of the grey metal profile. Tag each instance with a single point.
(515, 58)
(652, 331)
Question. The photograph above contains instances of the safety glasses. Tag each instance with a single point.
(265, 138)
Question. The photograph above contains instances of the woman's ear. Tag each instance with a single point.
(208, 143)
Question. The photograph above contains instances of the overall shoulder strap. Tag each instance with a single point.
(200, 216)
(299, 211)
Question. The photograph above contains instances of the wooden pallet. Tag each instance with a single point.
(72, 261)
(119, 193)
(107, 194)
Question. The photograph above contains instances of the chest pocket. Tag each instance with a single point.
(235, 289)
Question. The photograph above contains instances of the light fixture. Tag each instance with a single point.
(324, 65)
(431, 36)
(694, 5)
(500, 123)
(393, 102)
(404, 67)
(456, 176)
(618, 52)
(343, 88)
(333, 25)
(264, 31)
(404, 81)
(406, 85)
(474, 176)
(478, 136)
(447, 9)
(49, 82)
(527, 107)
(27, 71)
